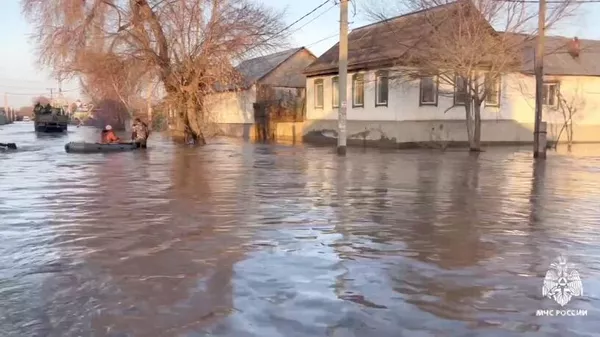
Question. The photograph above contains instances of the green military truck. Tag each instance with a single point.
(50, 119)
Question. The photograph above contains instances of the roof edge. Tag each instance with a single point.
(299, 49)
(400, 16)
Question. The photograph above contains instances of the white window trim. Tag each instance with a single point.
(335, 102)
(435, 89)
(456, 92)
(557, 88)
(378, 77)
(319, 83)
(355, 76)
(499, 94)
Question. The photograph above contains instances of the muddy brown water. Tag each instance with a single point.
(239, 239)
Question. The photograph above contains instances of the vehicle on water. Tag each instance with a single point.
(8, 146)
(83, 147)
(50, 119)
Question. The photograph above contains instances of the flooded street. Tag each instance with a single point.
(239, 239)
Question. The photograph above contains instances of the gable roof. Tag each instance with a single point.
(558, 60)
(370, 46)
(385, 43)
(253, 70)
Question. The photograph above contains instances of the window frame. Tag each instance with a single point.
(319, 83)
(498, 92)
(335, 103)
(556, 84)
(435, 83)
(382, 74)
(455, 102)
(355, 77)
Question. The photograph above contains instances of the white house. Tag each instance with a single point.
(404, 112)
(234, 110)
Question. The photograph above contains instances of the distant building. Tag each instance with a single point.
(273, 88)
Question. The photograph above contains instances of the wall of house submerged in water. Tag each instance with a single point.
(404, 122)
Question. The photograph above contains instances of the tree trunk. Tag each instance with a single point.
(475, 144)
(193, 126)
(473, 120)
(469, 120)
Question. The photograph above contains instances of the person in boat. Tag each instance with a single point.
(108, 136)
(140, 133)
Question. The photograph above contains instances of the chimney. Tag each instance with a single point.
(574, 47)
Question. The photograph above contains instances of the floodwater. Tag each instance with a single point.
(238, 239)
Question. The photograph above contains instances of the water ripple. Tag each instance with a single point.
(236, 239)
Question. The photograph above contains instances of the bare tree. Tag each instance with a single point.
(112, 82)
(569, 107)
(41, 100)
(188, 45)
(467, 44)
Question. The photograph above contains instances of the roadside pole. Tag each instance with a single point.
(6, 107)
(343, 77)
(538, 151)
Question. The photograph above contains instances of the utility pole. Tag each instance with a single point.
(6, 106)
(343, 77)
(51, 93)
(538, 151)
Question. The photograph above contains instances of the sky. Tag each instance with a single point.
(21, 79)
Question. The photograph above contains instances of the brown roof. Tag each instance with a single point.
(253, 70)
(370, 45)
(380, 45)
(558, 60)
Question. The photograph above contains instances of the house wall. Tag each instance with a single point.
(582, 97)
(404, 121)
(233, 111)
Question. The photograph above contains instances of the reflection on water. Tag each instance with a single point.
(237, 239)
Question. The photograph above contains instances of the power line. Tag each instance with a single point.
(37, 93)
(20, 80)
(31, 88)
(321, 40)
(246, 52)
(19, 87)
(316, 17)
(295, 22)
(24, 94)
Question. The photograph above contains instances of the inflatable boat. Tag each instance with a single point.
(8, 146)
(83, 147)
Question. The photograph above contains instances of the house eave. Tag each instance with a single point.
(240, 88)
(532, 73)
(353, 68)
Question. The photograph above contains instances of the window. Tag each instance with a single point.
(319, 94)
(428, 91)
(335, 89)
(358, 90)
(460, 90)
(492, 90)
(550, 94)
(381, 93)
